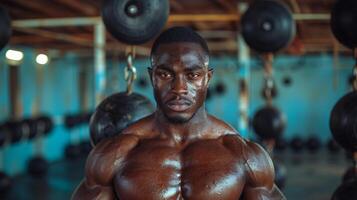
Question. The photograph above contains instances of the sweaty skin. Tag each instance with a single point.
(179, 152)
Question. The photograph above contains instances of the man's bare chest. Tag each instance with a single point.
(201, 170)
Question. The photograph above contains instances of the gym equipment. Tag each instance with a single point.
(344, 21)
(116, 112)
(350, 175)
(287, 81)
(297, 144)
(281, 144)
(37, 166)
(343, 120)
(119, 110)
(332, 146)
(72, 151)
(5, 27)
(4, 134)
(269, 91)
(47, 123)
(268, 26)
(73, 121)
(28, 125)
(5, 184)
(14, 129)
(85, 147)
(346, 191)
(5, 180)
(135, 21)
(220, 88)
(313, 144)
(143, 83)
(268, 122)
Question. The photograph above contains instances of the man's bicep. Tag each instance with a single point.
(93, 192)
(259, 193)
(260, 175)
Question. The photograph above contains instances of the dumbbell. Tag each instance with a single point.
(313, 144)
(15, 130)
(332, 146)
(73, 150)
(220, 88)
(281, 144)
(85, 144)
(5, 180)
(297, 144)
(346, 191)
(5, 184)
(38, 166)
(350, 174)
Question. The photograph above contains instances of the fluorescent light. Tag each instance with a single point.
(42, 59)
(14, 55)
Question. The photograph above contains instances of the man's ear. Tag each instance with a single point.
(150, 71)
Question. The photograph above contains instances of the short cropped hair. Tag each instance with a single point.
(179, 34)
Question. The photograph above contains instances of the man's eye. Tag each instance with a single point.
(193, 75)
(164, 75)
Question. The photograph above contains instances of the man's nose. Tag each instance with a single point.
(179, 85)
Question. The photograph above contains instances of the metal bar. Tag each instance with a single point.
(309, 16)
(88, 21)
(56, 22)
(99, 62)
(243, 56)
(203, 17)
(57, 36)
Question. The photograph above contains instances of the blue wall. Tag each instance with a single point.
(316, 86)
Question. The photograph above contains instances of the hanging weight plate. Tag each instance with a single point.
(115, 113)
(135, 21)
(5, 27)
(343, 121)
(268, 26)
(268, 122)
(344, 22)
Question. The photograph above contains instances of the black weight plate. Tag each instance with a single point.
(115, 113)
(344, 22)
(5, 27)
(268, 122)
(343, 121)
(268, 26)
(135, 21)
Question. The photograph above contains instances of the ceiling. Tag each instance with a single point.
(216, 20)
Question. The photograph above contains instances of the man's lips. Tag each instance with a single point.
(179, 105)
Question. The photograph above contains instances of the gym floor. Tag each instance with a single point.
(309, 177)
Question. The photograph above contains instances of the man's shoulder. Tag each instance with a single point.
(142, 128)
(221, 128)
(107, 156)
(258, 165)
(126, 140)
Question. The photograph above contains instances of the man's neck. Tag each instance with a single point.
(182, 132)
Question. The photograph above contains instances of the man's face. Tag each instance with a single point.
(180, 78)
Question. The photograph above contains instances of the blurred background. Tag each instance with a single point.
(61, 62)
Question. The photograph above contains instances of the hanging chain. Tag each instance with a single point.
(130, 71)
(268, 77)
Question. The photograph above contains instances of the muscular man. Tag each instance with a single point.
(179, 152)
